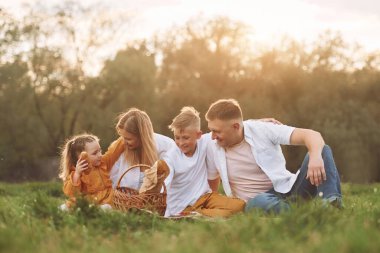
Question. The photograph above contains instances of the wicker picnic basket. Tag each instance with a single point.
(126, 198)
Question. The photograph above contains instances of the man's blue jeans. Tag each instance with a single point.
(329, 190)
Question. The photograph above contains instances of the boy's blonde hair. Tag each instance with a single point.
(71, 150)
(224, 109)
(188, 117)
(138, 123)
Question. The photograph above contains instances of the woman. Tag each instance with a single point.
(143, 146)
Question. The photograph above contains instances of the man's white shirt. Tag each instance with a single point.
(265, 139)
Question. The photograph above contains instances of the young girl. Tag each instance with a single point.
(88, 173)
(143, 146)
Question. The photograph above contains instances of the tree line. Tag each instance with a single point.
(47, 93)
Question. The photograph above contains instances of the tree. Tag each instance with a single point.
(49, 51)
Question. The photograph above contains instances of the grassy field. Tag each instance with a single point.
(31, 222)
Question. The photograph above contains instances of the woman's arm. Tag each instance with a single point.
(113, 153)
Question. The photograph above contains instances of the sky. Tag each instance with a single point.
(358, 21)
(303, 20)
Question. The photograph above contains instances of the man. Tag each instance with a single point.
(247, 157)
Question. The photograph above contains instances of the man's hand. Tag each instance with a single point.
(316, 171)
(271, 120)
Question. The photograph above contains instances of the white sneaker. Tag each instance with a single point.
(64, 208)
(105, 207)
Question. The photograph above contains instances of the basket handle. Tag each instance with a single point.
(145, 166)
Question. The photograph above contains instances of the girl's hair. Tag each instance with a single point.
(138, 123)
(71, 150)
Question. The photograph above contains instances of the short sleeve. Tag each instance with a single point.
(168, 157)
(212, 171)
(163, 144)
(278, 134)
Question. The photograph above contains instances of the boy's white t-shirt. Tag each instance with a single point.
(133, 178)
(187, 180)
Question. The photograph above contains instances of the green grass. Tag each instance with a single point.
(31, 222)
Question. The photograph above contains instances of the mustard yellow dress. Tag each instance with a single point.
(95, 183)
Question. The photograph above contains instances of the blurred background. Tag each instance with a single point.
(70, 67)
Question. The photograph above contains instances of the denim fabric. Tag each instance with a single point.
(329, 190)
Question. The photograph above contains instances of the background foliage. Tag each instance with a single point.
(47, 93)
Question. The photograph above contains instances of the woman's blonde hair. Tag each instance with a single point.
(70, 152)
(138, 123)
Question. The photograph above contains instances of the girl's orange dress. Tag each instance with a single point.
(95, 183)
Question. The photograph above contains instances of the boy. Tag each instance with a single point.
(188, 188)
